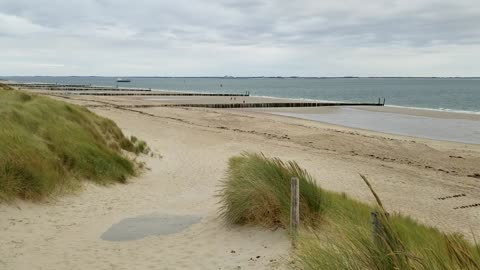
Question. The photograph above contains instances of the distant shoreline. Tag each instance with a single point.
(249, 77)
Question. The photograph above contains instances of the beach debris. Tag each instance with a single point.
(232, 251)
(475, 175)
(451, 196)
(467, 206)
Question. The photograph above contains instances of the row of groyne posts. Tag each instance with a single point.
(73, 87)
(377, 218)
(260, 105)
(88, 90)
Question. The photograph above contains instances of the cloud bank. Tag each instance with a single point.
(240, 38)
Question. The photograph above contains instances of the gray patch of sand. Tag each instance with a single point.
(142, 226)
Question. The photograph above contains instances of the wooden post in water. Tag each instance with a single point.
(294, 208)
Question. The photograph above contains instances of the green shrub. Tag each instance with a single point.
(256, 190)
(47, 145)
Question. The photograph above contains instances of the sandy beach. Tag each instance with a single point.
(192, 147)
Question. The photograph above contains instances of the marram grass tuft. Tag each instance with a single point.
(256, 190)
(48, 145)
(348, 241)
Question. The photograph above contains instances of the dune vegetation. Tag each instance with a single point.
(49, 146)
(257, 191)
(336, 231)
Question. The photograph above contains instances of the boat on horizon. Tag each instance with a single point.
(123, 80)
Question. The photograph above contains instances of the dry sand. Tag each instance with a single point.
(195, 144)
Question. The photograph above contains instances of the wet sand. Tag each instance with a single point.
(437, 128)
(383, 109)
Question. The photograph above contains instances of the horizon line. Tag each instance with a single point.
(234, 77)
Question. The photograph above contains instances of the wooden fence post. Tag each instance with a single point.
(294, 208)
(376, 226)
(378, 230)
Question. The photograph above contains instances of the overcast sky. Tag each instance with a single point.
(240, 37)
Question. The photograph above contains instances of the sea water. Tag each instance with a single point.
(454, 94)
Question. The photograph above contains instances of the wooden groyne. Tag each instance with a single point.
(160, 94)
(276, 105)
(86, 90)
(73, 87)
(256, 105)
(96, 88)
(53, 85)
(32, 85)
(90, 91)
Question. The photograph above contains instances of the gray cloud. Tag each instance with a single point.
(265, 37)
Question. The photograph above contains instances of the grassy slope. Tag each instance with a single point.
(48, 145)
(337, 234)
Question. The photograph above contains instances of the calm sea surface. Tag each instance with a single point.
(439, 94)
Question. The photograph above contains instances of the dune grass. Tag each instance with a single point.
(336, 230)
(257, 191)
(48, 146)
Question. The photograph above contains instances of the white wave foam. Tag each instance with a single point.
(433, 109)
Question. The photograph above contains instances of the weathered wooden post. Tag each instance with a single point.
(294, 208)
(378, 229)
(376, 226)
